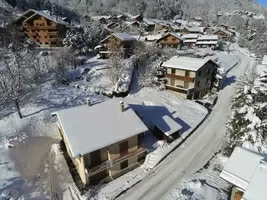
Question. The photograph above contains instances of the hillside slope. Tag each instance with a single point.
(150, 8)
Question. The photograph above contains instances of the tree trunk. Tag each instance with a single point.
(18, 109)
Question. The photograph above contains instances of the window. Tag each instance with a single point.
(207, 80)
(172, 82)
(198, 83)
(45, 36)
(124, 164)
(208, 71)
(165, 39)
(173, 71)
(173, 39)
(199, 73)
(187, 73)
(46, 42)
(186, 85)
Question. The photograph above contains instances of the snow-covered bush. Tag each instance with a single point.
(81, 38)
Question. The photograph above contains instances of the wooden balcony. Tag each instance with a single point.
(41, 27)
(95, 170)
(182, 78)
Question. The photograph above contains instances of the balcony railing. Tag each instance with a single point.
(41, 27)
(95, 170)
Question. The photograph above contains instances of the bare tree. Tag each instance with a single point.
(62, 60)
(115, 61)
(15, 80)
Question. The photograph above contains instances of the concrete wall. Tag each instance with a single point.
(78, 162)
(116, 170)
(205, 75)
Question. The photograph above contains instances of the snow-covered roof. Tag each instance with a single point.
(208, 37)
(185, 63)
(167, 125)
(122, 36)
(89, 128)
(206, 42)
(264, 60)
(195, 29)
(257, 185)
(190, 41)
(47, 15)
(153, 37)
(149, 22)
(101, 17)
(190, 36)
(177, 35)
(241, 166)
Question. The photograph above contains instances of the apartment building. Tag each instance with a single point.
(41, 27)
(190, 77)
(103, 140)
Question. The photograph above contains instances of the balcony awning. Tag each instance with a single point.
(167, 125)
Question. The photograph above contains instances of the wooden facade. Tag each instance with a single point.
(115, 43)
(170, 40)
(41, 28)
(222, 34)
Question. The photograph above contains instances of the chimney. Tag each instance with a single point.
(89, 102)
(122, 106)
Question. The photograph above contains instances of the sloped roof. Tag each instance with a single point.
(186, 63)
(122, 36)
(176, 35)
(257, 185)
(167, 125)
(57, 20)
(241, 166)
(89, 128)
(190, 36)
(208, 37)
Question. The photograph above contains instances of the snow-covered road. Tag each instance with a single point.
(198, 148)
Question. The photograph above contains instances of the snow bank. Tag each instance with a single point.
(123, 84)
(227, 61)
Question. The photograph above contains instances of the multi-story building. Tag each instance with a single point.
(205, 41)
(116, 42)
(190, 77)
(41, 27)
(170, 40)
(103, 140)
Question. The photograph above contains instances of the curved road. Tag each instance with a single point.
(198, 149)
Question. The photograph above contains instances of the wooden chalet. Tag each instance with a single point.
(41, 27)
(170, 40)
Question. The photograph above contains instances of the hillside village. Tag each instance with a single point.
(101, 103)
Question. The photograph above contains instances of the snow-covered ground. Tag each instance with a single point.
(196, 151)
(24, 167)
(29, 146)
(204, 184)
(151, 104)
